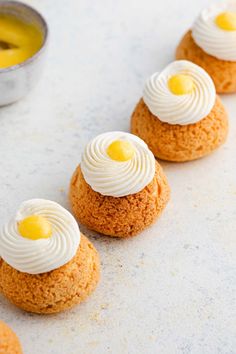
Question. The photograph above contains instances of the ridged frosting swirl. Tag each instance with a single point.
(115, 178)
(42, 255)
(211, 38)
(180, 109)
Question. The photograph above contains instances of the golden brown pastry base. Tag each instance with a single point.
(222, 72)
(180, 142)
(118, 217)
(57, 290)
(9, 343)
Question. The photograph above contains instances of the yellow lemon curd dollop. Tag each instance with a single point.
(18, 40)
(120, 150)
(35, 227)
(226, 21)
(180, 84)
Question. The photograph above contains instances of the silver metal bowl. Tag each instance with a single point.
(16, 81)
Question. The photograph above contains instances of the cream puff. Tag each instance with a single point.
(211, 43)
(118, 189)
(9, 342)
(47, 265)
(180, 117)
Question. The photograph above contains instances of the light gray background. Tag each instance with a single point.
(172, 289)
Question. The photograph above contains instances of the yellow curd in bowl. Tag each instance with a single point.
(19, 40)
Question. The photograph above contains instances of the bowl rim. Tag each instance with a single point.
(45, 39)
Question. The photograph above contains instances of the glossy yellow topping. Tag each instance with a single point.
(35, 227)
(181, 84)
(120, 150)
(18, 40)
(226, 21)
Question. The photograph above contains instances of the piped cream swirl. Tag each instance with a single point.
(180, 109)
(43, 255)
(212, 39)
(115, 178)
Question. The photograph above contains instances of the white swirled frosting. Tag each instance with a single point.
(43, 255)
(115, 178)
(212, 39)
(180, 109)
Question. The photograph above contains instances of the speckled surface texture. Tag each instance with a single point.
(170, 290)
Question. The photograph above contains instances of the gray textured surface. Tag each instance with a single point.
(172, 289)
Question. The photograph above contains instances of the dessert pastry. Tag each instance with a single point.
(180, 117)
(9, 342)
(119, 189)
(211, 43)
(47, 266)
